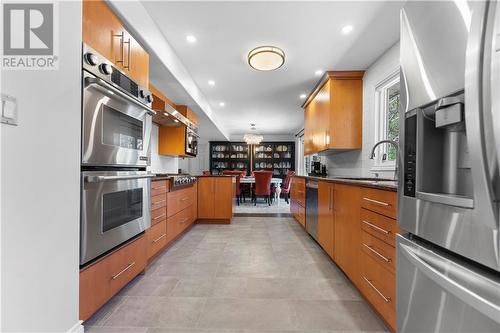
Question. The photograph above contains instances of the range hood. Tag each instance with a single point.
(170, 117)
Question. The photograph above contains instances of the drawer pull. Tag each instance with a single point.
(376, 202)
(160, 217)
(184, 199)
(377, 253)
(158, 239)
(376, 227)
(159, 202)
(385, 298)
(114, 277)
(184, 220)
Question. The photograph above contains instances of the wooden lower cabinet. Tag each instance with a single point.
(178, 200)
(156, 238)
(347, 230)
(378, 285)
(326, 217)
(215, 198)
(103, 279)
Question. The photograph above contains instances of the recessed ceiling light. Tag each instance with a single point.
(266, 58)
(211, 82)
(303, 96)
(191, 39)
(176, 121)
(222, 104)
(347, 29)
(318, 72)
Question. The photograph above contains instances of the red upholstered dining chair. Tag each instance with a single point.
(237, 174)
(285, 186)
(206, 173)
(262, 186)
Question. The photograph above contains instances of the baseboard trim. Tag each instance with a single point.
(77, 328)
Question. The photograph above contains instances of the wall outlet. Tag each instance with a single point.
(9, 110)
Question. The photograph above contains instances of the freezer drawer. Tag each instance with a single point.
(437, 292)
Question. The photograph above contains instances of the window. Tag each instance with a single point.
(387, 99)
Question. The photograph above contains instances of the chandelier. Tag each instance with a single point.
(253, 139)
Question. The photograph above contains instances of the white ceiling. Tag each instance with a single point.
(308, 32)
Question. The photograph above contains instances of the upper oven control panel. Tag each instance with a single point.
(98, 65)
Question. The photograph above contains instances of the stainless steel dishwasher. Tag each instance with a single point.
(312, 208)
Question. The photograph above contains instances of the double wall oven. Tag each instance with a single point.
(116, 149)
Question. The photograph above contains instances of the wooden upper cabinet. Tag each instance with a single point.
(105, 32)
(326, 217)
(188, 113)
(333, 113)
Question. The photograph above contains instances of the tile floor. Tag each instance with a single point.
(254, 275)
(262, 207)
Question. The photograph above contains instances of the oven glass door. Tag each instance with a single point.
(116, 132)
(115, 208)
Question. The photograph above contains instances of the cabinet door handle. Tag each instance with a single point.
(160, 217)
(385, 298)
(122, 53)
(376, 202)
(158, 239)
(128, 55)
(330, 199)
(373, 226)
(114, 277)
(381, 256)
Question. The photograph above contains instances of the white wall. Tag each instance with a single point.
(40, 190)
(358, 163)
(160, 163)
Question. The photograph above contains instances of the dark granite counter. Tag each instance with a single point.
(381, 184)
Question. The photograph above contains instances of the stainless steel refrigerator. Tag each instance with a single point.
(448, 255)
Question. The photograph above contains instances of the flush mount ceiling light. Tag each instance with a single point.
(266, 58)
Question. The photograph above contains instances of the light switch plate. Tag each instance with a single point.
(9, 110)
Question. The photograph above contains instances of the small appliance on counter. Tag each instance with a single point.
(318, 169)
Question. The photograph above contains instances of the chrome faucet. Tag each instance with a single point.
(396, 145)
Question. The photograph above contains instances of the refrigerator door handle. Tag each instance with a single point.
(457, 280)
(481, 170)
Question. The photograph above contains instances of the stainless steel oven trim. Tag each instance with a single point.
(94, 80)
(96, 153)
(94, 242)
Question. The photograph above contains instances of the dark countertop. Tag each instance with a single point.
(382, 184)
(160, 177)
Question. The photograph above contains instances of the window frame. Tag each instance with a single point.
(381, 123)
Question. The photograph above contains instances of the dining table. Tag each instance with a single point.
(251, 180)
(275, 181)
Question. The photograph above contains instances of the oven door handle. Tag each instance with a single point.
(103, 84)
(100, 179)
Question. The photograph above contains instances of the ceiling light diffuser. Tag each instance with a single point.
(266, 58)
(347, 29)
(191, 39)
